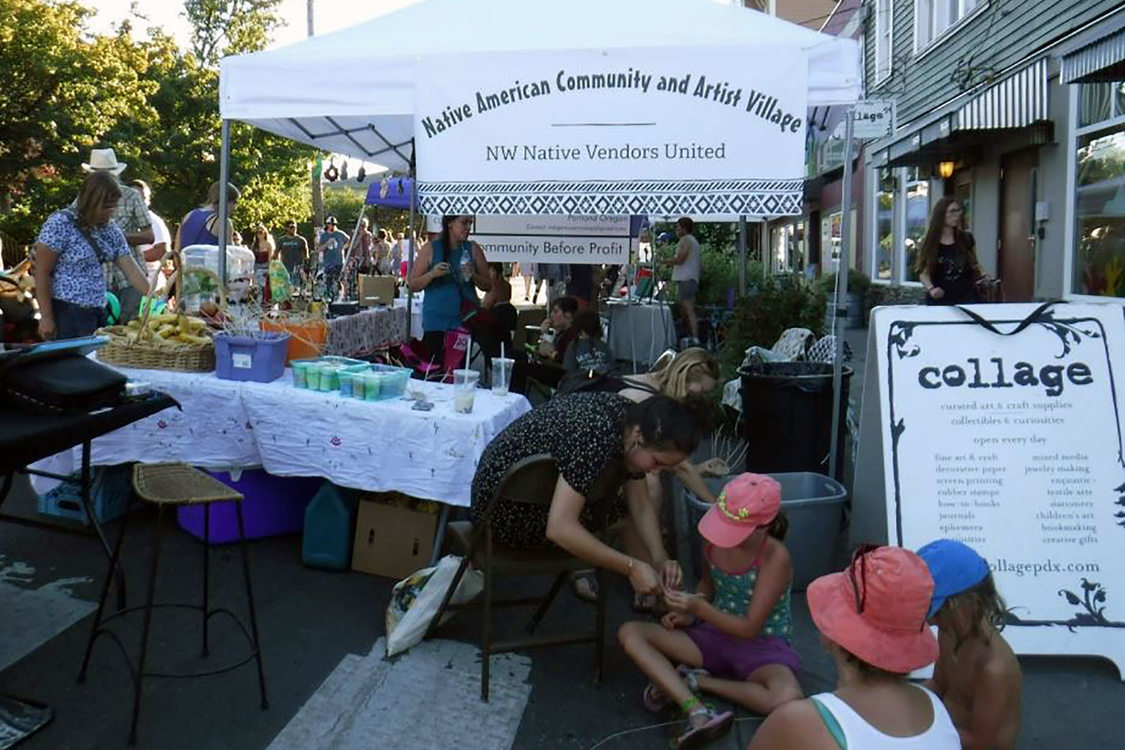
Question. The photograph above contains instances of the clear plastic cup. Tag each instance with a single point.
(312, 376)
(501, 375)
(300, 374)
(329, 377)
(372, 385)
(346, 383)
(464, 390)
(359, 384)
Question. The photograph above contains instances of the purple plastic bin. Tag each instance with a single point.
(260, 358)
(271, 506)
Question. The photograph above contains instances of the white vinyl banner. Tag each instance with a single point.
(613, 132)
(1011, 442)
(553, 239)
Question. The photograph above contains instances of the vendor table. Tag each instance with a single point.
(369, 445)
(367, 331)
(640, 331)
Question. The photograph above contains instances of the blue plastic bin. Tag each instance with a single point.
(329, 529)
(271, 506)
(111, 487)
(259, 358)
(814, 505)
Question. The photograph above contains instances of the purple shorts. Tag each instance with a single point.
(727, 656)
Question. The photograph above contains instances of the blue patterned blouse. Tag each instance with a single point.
(78, 277)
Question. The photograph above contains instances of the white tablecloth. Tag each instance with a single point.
(640, 332)
(369, 445)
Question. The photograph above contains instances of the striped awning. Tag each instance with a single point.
(1101, 60)
(1014, 102)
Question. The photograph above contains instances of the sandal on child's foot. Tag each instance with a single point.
(585, 587)
(705, 726)
(654, 699)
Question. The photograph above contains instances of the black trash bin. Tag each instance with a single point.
(787, 417)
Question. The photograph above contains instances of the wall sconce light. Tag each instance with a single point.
(945, 169)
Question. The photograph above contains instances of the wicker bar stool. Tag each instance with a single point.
(167, 486)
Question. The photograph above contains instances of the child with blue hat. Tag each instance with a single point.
(977, 674)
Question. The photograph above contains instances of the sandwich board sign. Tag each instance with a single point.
(1004, 432)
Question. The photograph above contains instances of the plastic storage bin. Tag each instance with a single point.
(329, 529)
(260, 358)
(270, 506)
(375, 382)
(787, 417)
(306, 339)
(814, 505)
(111, 487)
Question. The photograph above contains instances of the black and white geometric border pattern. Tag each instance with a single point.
(746, 197)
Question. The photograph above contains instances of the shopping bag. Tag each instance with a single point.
(415, 601)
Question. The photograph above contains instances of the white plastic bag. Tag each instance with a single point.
(415, 601)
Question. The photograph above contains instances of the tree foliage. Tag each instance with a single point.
(62, 90)
(230, 27)
(66, 91)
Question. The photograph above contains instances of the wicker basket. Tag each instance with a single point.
(148, 354)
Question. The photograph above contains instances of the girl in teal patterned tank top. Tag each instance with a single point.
(731, 637)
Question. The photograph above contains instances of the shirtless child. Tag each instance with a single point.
(977, 675)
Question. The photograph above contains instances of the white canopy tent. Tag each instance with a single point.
(354, 91)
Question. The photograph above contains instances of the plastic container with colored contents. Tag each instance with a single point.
(306, 340)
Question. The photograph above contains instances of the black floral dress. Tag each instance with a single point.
(584, 432)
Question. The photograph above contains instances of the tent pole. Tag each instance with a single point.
(411, 248)
(840, 297)
(742, 241)
(224, 200)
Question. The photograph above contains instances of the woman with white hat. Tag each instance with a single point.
(872, 620)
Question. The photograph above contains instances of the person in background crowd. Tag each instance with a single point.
(330, 248)
(132, 217)
(947, 262)
(872, 620)
(293, 251)
(532, 283)
(977, 676)
(732, 636)
(581, 283)
(264, 248)
(398, 255)
(553, 347)
(361, 259)
(448, 267)
(198, 226)
(236, 238)
(72, 247)
(688, 263)
(383, 261)
(587, 354)
(161, 242)
(501, 291)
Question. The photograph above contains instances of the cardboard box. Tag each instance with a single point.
(391, 540)
(376, 290)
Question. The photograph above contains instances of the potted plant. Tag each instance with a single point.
(858, 286)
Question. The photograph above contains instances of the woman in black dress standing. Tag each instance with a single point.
(585, 432)
(947, 263)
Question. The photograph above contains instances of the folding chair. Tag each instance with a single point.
(531, 481)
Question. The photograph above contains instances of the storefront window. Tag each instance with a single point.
(884, 224)
(917, 217)
(1095, 103)
(1099, 262)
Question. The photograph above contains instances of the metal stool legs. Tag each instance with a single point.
(109, 577)
(250, 602)
(139, 677)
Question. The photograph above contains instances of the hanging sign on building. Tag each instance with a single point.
(553, 239)
(613, 132)
(873, 118)
(1009, 440)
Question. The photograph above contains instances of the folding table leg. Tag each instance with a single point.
(88, 506)
(439, 536)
